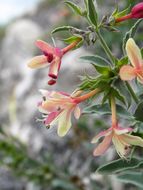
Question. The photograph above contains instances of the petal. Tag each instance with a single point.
(133, 53)
(45, 93)
(127, 72)
(51, 117)
(77, 112)
(133, 140)
(101, 134)
(119, 146)
(38, 62)
(64, 123)
(103, 146)
(120, 130)
(45, 47)
(140, 79)
(50, 105)
(54, 67)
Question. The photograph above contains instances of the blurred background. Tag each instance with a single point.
(31, 156)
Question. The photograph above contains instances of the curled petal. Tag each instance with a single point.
(51, 117)
(120, 146)
(133, 53)
(45, 47)
(103, 146)
(133, 140)
(54, 68)
(38, 62)
(77, 112)
(127, 72)
(101, 134)
(140, 78)
(120, 130)
(64, 123)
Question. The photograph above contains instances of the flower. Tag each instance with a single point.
(128, 72)
(57, 107)
(136, 13)
(119, 137)
(51, 57)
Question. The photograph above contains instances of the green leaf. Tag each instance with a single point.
(91, 13)
(122, 61)
(120, 165)
(62, 28)
(131, 33)
(73, 39)
(104, 109)
(97, 60)
(139, 112)
(75, 8)
(123, 90)
(135, 178)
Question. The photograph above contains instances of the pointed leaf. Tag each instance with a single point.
(120, 165)
(75, 8)
(91, 13)
(131, 33)
(62, 28)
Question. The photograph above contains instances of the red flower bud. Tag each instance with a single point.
(136, 12)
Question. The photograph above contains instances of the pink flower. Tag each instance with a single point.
(128, 72)
(119, 137)
(136, 13)
(51, 57)
(58, 107)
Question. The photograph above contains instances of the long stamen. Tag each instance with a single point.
(86, 96)
(114, 114)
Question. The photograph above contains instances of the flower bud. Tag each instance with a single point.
(137, 11)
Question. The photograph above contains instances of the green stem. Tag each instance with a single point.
(132, 92)
(106, 48)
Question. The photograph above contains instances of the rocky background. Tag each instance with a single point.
(33, 157)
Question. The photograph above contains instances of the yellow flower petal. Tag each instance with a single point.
(133, 53)
(133, 140)
(64, 123)
(38, 62)
(127, 72)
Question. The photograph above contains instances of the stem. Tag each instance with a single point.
(106, 48)
(132, 92)
(86, 96)
(113, 110)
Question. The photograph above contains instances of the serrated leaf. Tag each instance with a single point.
(120, 165)
(75, 8)
(130, 33)
(135, 178)
(104, 109)
(97, 60)
(62, 28)
(139, 112)
(91, 13)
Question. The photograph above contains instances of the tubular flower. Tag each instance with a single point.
(116, 135)
(119, 137)
(136, 13)
(51, 57)
(58, 107)
(128, 72)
